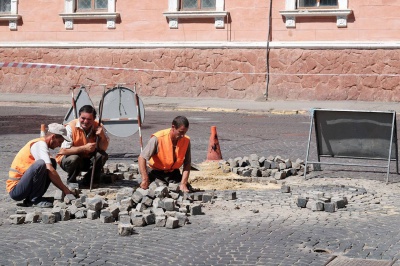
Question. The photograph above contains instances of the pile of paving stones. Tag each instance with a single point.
(161, 205)
(328, 199)
(260, 166)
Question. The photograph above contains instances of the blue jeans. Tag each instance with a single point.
(34, 183)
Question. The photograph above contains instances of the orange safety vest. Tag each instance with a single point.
(22, 161)
(164, 159)
(79, 138)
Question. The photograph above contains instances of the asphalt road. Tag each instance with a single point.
(229, 233)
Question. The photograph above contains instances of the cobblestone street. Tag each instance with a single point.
(263, 227)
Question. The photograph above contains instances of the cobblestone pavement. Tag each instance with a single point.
(259, 228)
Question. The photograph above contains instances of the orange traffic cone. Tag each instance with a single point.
(214, 151)
(42, 130)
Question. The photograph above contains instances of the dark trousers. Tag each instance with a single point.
(34, 183)
(165, 177)
(74, 165)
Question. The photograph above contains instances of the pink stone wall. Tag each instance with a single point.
(365, 75)
(224, 73)
(350, 74)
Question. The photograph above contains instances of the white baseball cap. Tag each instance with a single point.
(58, 129)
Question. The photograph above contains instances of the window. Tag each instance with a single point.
(92, 5)
(316, 8)
(317, 3)
(198, 4)
(196, 9)
(5, 6)
(9, 12)
(89, 10)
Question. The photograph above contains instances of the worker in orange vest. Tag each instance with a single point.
(77, 155)
(166, 151)
(32, 169)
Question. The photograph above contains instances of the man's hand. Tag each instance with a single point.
(145, 184)
(66, 191)
(99, 131)
(89, 147)
(184, 188)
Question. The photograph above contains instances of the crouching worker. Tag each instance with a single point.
(166, 151)
(32, 169)
(77, 154)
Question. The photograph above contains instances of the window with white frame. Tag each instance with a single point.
(316, 8)
(197, 4)
(89, 10)
(187, 9)
(9, 12)
(91, 5)
(317, 3)
(5, 6)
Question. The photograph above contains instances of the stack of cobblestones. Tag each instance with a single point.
(160, 205)
(260, 166)
(328, 201)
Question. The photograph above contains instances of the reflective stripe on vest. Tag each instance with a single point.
(22, 161)
(164, 159)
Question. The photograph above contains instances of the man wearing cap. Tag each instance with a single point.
(76, 155)
(32, 169)
(166, 151)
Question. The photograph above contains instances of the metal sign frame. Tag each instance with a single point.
(321, 151)
(82, 98)
(122, 108)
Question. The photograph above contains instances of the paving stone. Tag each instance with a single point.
(196, 209)
(69, 198)
(207, 197)
(72, 209)
(172, 223)
(147, 201)
(182, 218)
(140, 207)
(48, 218)
(32, 217)
(94, 204)
(279, 175)
(160, 221)
(81, 213)
(158, 211)
(126, 204)
(125, 229)
(161, 192)
(285, 189)
(124, 217)
(198, 196)
(330, 207)
(173, 187)
(169, 204)
(149, 218)
(106, 217)
(137, 221)
(17, 218)
(302, 202)
(137, 196)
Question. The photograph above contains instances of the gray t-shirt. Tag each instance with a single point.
(152, 148)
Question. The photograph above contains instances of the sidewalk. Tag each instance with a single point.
(211, 104)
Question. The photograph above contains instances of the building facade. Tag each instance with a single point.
(244, 49)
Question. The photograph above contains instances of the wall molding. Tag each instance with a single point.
(206, 45)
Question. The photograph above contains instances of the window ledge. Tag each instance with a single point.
(70, 17)
(12, 20)
(173, 17)
(340, 14)
(90, 15)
